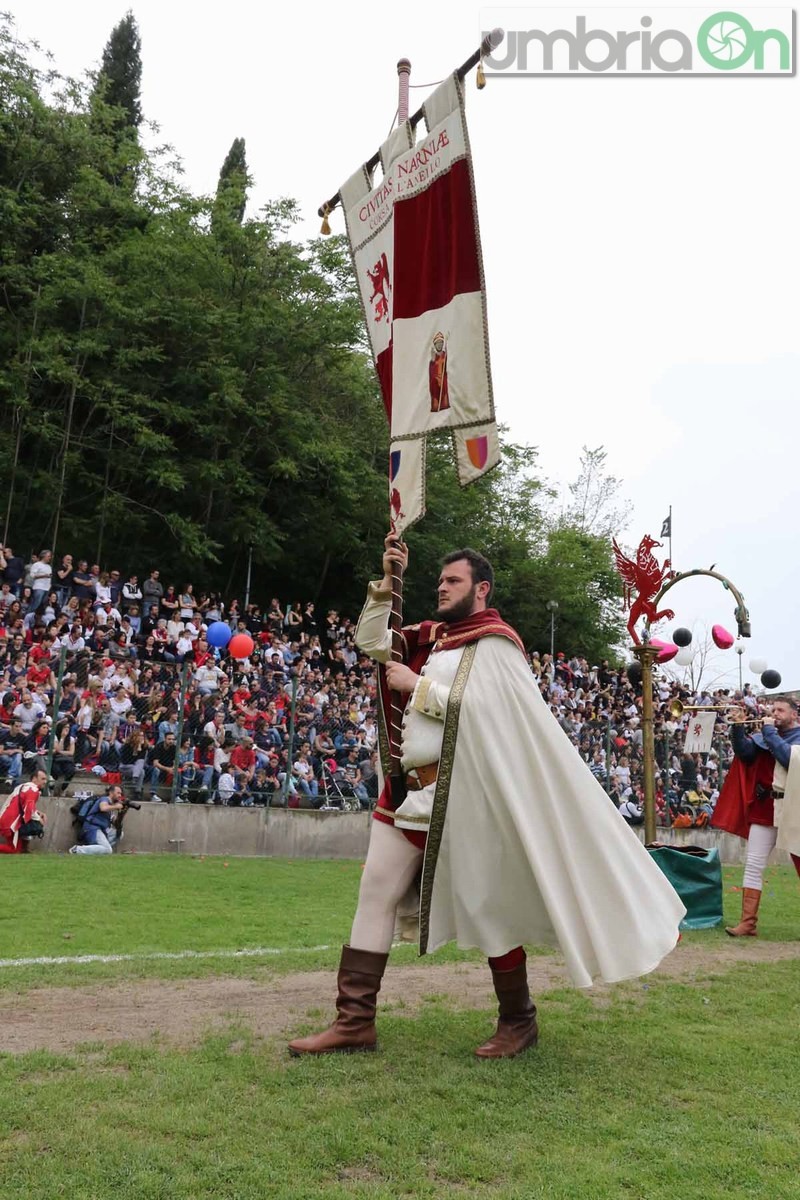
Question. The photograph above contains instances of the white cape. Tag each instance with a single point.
(524, 844)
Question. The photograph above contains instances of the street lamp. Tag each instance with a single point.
(552, 605)
(739, 647)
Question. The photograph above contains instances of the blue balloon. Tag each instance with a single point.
(219, 634)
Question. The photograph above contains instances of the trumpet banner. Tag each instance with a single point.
(699, 733)
(416, 252)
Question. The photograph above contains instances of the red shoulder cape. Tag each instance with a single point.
(737, 807)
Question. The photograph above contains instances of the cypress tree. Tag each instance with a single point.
(233, 180)
(119, 81)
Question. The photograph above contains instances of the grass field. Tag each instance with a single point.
(663, 1087)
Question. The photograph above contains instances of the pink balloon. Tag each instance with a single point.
(667, 651)
(657, 643)
(721, 637)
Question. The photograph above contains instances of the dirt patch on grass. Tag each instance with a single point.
(61, 1019)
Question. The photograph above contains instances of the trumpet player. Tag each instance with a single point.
(758, 778)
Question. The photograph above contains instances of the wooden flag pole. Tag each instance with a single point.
(397, 701)
(490, 42)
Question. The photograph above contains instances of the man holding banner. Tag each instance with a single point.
(497, 813)
(495, 804)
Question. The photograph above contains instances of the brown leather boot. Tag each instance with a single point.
(516, 1027)
(751, 898)
(359, 981)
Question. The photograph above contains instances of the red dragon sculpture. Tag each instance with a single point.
(646, 577)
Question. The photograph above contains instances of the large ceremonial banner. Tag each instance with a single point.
(416, 251)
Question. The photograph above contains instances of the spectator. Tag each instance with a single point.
(29, 710)
(12, 746)
(83, 582)
(186, 603)
(152, 592)
(243, 759)
(41, 575)
(227, 784)
(161, 764)
(64, 765)
(131, 594)
(64, 574)
(13, 570)
(630, 809)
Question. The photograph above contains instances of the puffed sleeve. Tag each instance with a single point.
(373, 635)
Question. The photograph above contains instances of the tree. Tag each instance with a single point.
(181, 382)
(709, 668)
(596, 506)
(119, 81)
(231, 197)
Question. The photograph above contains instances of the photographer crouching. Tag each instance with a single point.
(100, 822)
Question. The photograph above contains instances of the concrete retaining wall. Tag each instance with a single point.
(286, 833)
(201, 829)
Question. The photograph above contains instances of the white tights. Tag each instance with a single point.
(392, 862)
(760, 844)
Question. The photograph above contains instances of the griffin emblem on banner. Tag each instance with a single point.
(379, 278)
(396, 507)
(644, 576)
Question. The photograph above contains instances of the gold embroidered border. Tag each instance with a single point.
(421, 695)
(384, 747)
(442, 793)
(451, 641)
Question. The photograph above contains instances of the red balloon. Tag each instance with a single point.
(241, 646)
(668, 651)
(721, 637)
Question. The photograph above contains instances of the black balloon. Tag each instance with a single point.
(770, 679)
(682, 637)
(634, 672)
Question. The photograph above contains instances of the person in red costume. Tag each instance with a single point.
(497, 811)
(20, 813)
(761, 792)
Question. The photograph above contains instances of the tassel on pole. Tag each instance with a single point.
(326, 229)
(480, 77)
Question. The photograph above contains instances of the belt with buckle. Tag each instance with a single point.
(421, 777)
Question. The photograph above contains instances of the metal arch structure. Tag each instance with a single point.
(741, 615)
(647, 655)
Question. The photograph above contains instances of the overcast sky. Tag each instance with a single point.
(639, 237)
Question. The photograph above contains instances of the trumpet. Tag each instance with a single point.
(676, 709)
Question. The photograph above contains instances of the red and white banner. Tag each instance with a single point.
(416, 251)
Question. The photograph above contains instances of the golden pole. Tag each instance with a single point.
(647, 655)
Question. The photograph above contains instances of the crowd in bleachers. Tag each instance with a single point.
(144, 699)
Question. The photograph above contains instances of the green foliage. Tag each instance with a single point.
(180, 382)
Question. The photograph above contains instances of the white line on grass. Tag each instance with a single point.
(255, 952)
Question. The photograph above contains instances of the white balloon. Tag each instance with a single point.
(684, 657)
(757, 665)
